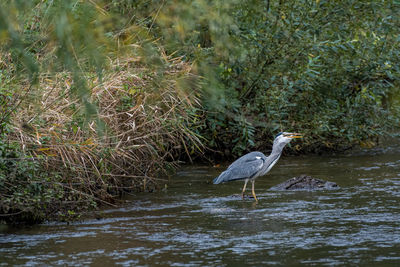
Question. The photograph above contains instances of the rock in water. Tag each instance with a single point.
(305, 182)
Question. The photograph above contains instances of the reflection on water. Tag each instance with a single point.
(195, 223)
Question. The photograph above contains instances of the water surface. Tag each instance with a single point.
(195, 223)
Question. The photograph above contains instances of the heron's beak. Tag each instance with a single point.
(294, 135)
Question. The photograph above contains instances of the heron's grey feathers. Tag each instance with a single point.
(244, 167)
(249, 166)
(248, 157)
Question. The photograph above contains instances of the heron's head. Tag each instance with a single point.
(285, 137)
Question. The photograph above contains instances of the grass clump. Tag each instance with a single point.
(143, 123)
(92, 107)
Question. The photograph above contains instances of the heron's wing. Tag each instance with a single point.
(246, 158)
(239, 170)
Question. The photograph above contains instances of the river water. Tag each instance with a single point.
(195, 223)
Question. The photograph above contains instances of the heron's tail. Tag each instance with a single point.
(220, 178)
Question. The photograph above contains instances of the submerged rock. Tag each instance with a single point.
(305, 182)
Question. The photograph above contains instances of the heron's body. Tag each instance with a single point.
(254, 164)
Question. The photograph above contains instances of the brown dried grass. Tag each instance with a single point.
(145, 115)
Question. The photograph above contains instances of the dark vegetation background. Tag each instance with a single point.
(102, 97)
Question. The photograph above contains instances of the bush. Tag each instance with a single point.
(31, 195)
(327, 69)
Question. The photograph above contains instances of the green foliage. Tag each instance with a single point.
(6, 102)
(52, 36)
(327, 69)
(30, 195)
(267, 65)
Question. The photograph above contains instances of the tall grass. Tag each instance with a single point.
(92, 107)
(144, 123)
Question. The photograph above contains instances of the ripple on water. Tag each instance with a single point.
(210, 225)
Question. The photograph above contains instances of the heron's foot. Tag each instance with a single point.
(251, 197)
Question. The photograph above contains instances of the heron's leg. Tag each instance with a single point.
(244, 187)
(252, 190)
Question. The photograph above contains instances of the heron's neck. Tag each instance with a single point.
(277, 148)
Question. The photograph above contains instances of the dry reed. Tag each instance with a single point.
(145, 114)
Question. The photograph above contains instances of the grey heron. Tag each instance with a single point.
(255, 164)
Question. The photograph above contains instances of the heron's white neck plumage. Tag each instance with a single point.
(278, 146)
